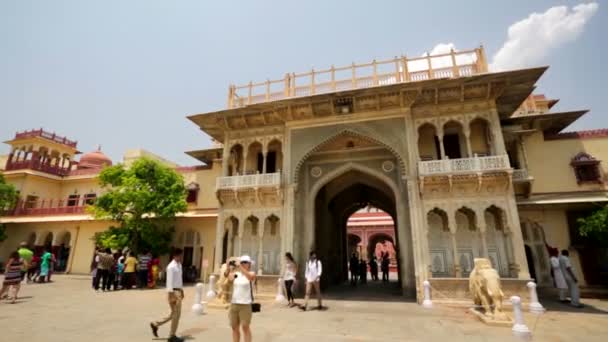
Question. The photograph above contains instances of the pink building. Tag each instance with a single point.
(372, 231)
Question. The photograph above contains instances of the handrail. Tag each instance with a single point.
(463, 165)
(45, 134)
(395, 70)
(248, 181)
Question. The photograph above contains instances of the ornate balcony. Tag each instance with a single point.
(463, 165)
(249, 181)
(38, 166)
(50, 207)
(522, 182)
(262, 189)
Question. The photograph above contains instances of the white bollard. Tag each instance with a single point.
(519, 326)
(427, 302)
(280, 298)
(211, 293)
(197, 307)
(535, 306)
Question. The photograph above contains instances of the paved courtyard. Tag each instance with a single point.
(68, 310)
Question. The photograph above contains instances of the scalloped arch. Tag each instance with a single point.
(348, 131)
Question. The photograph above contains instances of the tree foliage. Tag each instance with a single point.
(143, 199)
(8, 197)
(595, 226)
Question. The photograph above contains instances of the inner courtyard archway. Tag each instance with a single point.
(334, 203)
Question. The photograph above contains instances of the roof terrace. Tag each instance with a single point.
(47, 135)
(356, 76)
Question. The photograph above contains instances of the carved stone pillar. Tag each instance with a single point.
(457, 272)
(441, 147)
(226, 156)
(467, 137)
(219, 236)
(264, 154)
(484, 243)
(519, 252)
(261, 248)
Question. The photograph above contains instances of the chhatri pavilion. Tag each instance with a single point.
(462, 161)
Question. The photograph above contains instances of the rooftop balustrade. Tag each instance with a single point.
(357, 76)
(47, 135)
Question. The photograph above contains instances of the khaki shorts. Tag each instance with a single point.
(239, 314)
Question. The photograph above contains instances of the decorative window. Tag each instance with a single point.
(73, 200)
(586, 168)
(192, 189)
(89, 199)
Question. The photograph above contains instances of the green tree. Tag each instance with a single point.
(143, 199)
(8, 197)
(595, 226)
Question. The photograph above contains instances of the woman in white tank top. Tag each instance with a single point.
(240, 312)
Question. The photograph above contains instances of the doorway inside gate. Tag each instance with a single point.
(337, 243)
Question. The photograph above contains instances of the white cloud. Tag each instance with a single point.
(531, 39)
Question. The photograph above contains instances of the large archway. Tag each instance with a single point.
(334, 203)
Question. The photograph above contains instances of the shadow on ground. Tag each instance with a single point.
(376, 291)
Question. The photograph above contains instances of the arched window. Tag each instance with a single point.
(192, 189)
(586, 168)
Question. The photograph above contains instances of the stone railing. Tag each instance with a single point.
(248, 181)
(463, 165)
(356, 76)
(520, 175)
(47, 135)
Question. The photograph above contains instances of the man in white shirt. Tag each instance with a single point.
(314, 269)
(571, 281)
(175, 295)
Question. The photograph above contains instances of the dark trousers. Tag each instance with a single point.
(128, 280)
(288, 286)
(142, 278)
(353, 278)
(103, 277)
(384, 275)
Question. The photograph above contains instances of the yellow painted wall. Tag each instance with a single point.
(82, 232)
(549, 162)
(80, 187)
(205, 226)
(3, 160)
(555, 227)
(42, 187)
(206, 180)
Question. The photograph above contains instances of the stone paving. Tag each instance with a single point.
(69, 310)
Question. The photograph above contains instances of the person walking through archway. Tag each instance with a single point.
(384, 266)
(373, 268)
(314, 270)
(175, 296)
(353, 265)
(363, 271)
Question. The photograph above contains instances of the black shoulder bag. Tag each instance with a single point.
(255, 307)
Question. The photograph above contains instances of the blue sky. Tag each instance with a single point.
(124, 74)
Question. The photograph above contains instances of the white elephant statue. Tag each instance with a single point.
(484, 284)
